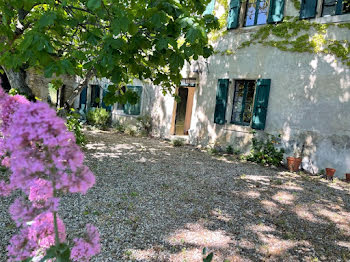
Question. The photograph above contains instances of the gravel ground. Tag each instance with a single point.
(154, 202)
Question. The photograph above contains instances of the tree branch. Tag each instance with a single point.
(80, 87)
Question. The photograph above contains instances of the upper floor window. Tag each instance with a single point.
(335, 7)
(256, 12)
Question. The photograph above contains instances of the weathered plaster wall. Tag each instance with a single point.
(309, 100)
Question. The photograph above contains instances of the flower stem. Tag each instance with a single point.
(57, 239)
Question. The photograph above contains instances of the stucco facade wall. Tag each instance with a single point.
(309, 103)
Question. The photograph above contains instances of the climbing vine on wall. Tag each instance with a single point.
(292, 35)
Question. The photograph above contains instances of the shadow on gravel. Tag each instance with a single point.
(170, 203)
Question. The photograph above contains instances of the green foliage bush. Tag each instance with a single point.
(229, 149)
(74, 125)
(144, 124)
(178, 142)
(131, 130)
(265, 151)
(119, 127)
(98, 117)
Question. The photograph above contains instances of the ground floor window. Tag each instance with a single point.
(243, 100)
(249, 105)
(128, 108)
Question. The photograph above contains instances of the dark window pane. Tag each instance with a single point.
(237, 101)
(248, 107)
(329, 7)
(346, 6)
(262, 15)
(243, 102)
(250, 13)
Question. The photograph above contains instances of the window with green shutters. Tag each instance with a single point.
(308, 9)
(135, 109)
(221, 101)
(250, 101)
(256, 12)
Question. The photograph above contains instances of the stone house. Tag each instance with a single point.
(297, 90)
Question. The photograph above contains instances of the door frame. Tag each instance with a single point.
(189, 107)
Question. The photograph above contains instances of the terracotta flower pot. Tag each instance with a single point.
(330, 172)
(347, 177)
(293, 163)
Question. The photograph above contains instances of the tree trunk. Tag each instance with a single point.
(18, 81)
(68, 104)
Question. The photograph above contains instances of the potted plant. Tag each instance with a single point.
(330, 172)
(293, 162)
(347, 177)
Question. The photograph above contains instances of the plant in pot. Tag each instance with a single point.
(293, 162)
(347, 177)
(330, 173)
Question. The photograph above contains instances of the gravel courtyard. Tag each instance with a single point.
(154, 202)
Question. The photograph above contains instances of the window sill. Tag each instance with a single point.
(238, 128)
(333, 19)
(121, 113)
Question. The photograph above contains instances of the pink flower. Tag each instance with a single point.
(42, 230)
(40, 191)
(86, 247)
(44, 161)
(5, 162)
(21, 247)
(5, 189)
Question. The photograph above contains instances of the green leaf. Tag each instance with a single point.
(209, 258)
(119, 24)
(94, 4)
(47, 19)
(162, 44)
(117, 43)
(49, 70)
(193, 34)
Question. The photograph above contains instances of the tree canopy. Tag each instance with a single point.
(118, 40)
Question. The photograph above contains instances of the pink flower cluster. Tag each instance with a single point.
(88, 246)
(44, 161)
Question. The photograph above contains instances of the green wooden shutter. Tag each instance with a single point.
(221, 101)
(83, 98)
(210, 8)
(95, 96)
(233, 14)
(339, 7)
(308, 9)
(276, 11)
(130, 109)
(108, 108)
(261, 101)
